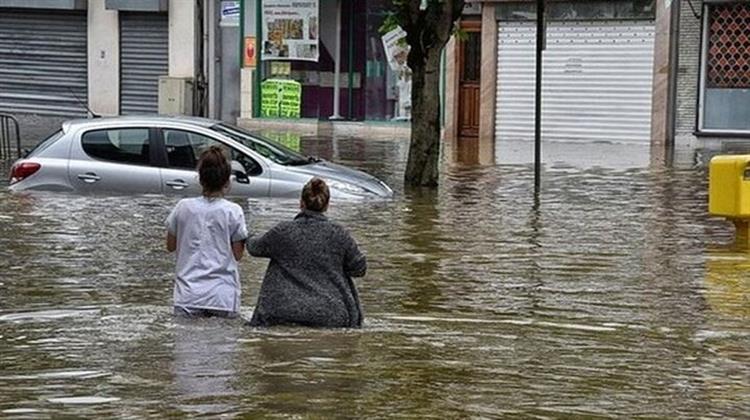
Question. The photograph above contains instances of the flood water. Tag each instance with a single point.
(615, 296)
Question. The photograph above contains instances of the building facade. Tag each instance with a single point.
(60, 57)
(713, 78)
(349, 74)
(598, 74)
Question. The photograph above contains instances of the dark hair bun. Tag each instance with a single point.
(315, 195)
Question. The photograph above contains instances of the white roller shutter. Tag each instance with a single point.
(596, 84)
(43, 62)
(144, 56)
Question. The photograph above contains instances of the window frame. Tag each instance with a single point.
(153, 160)
(700, 129)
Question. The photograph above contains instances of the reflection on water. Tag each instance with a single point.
(613, 295)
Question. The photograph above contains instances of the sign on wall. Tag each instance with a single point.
(230, 13)
(251, 52)
(290, 30)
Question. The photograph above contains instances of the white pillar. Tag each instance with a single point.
(103, 59)
(182, 42)
(337, 65)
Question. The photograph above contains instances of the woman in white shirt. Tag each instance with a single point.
(208, 233)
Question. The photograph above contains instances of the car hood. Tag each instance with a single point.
(333, 172)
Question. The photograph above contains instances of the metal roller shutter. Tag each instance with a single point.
(597, 81)
(43, 62)
(144, 56)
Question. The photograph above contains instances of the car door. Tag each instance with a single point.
(182, 149)
(114, 160)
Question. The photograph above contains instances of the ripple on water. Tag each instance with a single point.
(614, 295)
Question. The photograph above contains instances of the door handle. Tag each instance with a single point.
(89, 177)
(178, 184)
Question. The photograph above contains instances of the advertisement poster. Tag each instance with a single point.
(290, 30)
(280, 98)
(397, 51)
(250, 52)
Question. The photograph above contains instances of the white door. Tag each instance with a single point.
(597, 80)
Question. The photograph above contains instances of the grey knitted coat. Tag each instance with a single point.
(309, 278)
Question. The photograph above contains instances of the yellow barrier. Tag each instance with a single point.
(729, 193)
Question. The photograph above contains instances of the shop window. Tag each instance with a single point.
(725, 96)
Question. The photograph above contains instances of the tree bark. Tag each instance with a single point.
(427, 31)
(422, 168)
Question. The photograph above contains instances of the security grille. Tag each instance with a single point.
(728, 61)
(43, 62)
(144, 56)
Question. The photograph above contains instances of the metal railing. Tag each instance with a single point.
(10, 137)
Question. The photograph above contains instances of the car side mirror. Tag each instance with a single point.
(239, 173)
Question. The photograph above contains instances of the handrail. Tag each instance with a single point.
(8, 127)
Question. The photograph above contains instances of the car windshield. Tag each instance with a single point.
(265, 147)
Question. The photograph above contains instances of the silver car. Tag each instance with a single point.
(147, 155)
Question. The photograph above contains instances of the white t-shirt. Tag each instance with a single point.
(207, 275)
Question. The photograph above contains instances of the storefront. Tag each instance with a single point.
(43, 62)
(337, 54)
(724, 89)
(144, 57)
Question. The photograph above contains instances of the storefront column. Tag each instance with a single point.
(664, 84)
(488, 83)
(337, 66)
(103, 59)
(182, 42)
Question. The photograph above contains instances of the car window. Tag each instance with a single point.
(184, 149)
(267, 148)
(121, 145)
(46, 143)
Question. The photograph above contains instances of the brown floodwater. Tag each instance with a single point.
(615, 295)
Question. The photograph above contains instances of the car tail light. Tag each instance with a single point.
(23, 170)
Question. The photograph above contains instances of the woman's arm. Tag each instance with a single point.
(264, 245)
(355, 263)
(238, 248)
(171, 242)
(171, 225)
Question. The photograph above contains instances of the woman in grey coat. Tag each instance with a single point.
(309, 278)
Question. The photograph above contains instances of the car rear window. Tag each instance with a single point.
(46, 143)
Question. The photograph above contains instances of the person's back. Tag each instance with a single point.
(207, 232)
(308, 281)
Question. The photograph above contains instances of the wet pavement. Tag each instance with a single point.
(613, 296)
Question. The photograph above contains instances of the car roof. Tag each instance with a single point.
(137, 120)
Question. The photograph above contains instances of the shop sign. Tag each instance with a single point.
(290, 30)
(280, 98)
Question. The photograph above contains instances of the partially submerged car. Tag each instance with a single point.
(155, 154)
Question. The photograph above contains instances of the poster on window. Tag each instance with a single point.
(290, 30)
(397, 51)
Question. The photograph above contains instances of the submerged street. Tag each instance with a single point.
(616, 296)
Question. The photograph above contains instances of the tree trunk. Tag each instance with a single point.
(424, 150)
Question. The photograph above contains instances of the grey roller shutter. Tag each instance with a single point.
(144, 56)
(597, 81)
(43, 62)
